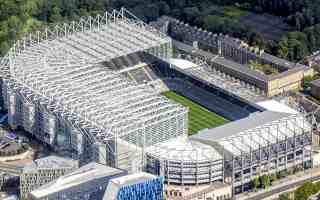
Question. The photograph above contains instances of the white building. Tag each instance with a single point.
(64, 86)
(43, 171)
(88, 182)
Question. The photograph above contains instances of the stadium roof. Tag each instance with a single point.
(85, 174)
(183, 149)
(273, 105)
(182, 64)
(232, 128)
(63, 69)
(255, 131)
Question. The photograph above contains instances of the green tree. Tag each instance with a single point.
(256, 183)
(273, 178)
(284, 196)
(283, 50)
(304, 191)
(56, 14)
(265, 181)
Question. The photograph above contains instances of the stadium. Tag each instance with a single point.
(108, 89)
(270, 75)
(58, 86)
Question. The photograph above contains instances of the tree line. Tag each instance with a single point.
(19, 17)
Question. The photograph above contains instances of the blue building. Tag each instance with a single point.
(99, 182)
(139, 186)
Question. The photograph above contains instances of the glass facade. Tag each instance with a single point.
(149, 190)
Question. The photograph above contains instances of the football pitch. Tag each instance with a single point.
(199, 117)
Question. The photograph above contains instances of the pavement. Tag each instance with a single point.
(283, 185)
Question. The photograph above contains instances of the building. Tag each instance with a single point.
(83, 88)
(76, 97)
(11, 197)
(232, 57)
(88, 182)
(263, 143)
(97, 181)
(315, 88)
(138, 186)
(185, 162)
(214, 191)
(43, 171)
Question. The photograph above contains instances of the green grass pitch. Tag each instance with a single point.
(199, 117)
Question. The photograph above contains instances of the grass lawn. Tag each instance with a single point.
(199, 117)
(234, 12)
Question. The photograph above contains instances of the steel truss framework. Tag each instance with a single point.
(61, 70)
(277, 146)
(185, 162)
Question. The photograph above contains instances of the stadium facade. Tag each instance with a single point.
(70, 87)
(58, 86)
(185, 162)
(264, 143)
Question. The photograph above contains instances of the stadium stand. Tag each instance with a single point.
(103, 116)
(228, 48)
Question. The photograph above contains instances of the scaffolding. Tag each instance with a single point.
(56, 81)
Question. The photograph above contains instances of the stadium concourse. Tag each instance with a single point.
(93, 88)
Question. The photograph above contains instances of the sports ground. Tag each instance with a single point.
(199, 117)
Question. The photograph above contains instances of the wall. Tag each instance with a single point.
(278, 85)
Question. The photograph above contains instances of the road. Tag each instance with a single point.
(281, 188)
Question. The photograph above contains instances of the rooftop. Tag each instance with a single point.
(183, 149)
(82, 175)
(235, 127)
(182, 63)
(234, 87)
(258, 130)
(205, 35)
(66, 71)
(50, 162)
(275, 106)
(133, 179)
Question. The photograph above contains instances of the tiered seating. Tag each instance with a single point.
(209, 100)
(139, 75)
(127, 61)
(151, 72)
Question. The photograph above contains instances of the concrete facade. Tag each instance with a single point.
(315, 88)
(43, 171)
(215, 191)
(88, 182)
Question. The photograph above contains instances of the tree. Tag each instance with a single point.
(265, 181)
(56, 14)
(284, 196)
(255, 183)
(283, 50)
(304, 191)
(273, 178)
